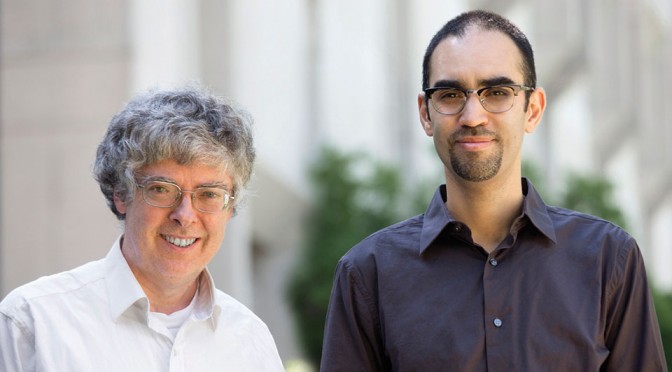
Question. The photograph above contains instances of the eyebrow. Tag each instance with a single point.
(499, 80)
(168, 180)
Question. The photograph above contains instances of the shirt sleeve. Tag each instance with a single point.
(352, 338)
(632, 332)
(17, 353)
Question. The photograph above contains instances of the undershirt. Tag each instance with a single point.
(173, 322)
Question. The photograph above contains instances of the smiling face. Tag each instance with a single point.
(170, 247)
(476, 145)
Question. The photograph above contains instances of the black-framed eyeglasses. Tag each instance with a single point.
(494, 99)
(208, 199)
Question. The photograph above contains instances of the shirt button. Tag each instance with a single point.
(457, 227)
(493, 262)
(497, 322)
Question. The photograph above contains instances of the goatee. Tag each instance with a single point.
(475, 166)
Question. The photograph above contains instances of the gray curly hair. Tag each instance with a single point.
(188, 125)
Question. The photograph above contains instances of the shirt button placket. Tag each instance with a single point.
(177, 359)
(497, 322)
(496, 309)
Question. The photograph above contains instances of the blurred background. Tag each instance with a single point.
(332, 85)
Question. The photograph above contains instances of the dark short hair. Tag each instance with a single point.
(486, 21)
(188, 125)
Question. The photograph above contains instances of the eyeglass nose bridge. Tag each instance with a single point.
(478, 92)
(180, 196)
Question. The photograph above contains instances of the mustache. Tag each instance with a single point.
(478, 131)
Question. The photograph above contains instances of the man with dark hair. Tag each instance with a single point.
(173, 167)
(490, 278)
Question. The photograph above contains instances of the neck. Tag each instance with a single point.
(489, 208)
(166, 295)
(166, 301)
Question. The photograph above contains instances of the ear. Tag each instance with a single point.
(423, 112)
(535, 109)
(119, 203)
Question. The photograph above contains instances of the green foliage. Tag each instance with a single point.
(354, 196)
(592, 195)
(588, 194)
(532, 172)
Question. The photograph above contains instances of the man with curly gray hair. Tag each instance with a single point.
(173, 167)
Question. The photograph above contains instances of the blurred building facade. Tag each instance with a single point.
(312, 72)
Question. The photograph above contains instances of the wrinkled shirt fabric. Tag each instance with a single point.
(564, 291)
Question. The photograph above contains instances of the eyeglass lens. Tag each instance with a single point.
(493, 99)
(164, 195)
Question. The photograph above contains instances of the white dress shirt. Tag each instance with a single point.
(96, 318)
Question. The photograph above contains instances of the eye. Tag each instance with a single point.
(157, 188)
(498, 92)
(210, 194)
(160, 193)
(448, 94)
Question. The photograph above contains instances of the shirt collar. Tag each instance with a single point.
(437, 217)
(123, 289)
(206, 306)
(536, 211)
(126, 294)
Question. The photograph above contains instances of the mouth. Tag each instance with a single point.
(474, 143)
(179, 242)
(475, 140)
(476, 136)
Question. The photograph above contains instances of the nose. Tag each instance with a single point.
(184, 212)
(473, 114)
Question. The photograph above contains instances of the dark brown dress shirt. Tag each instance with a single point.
(564, 291)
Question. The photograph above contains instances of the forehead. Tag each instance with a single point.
(194, 173)
(476, 56)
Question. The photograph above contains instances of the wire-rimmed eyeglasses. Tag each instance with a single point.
(494, 99)
(207, 199)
